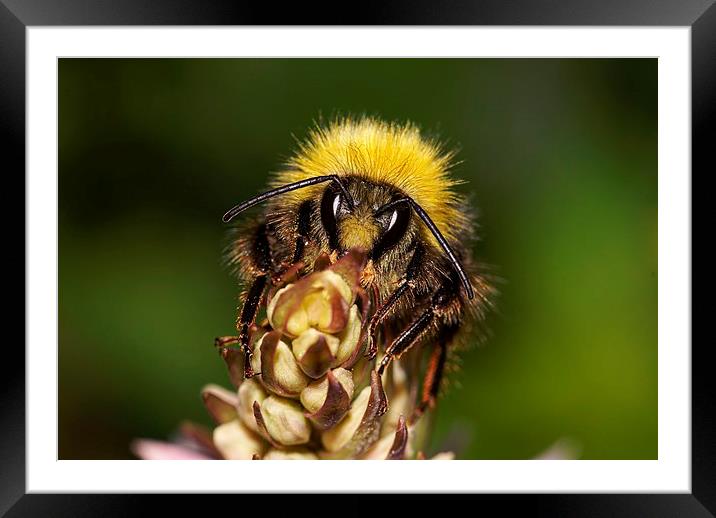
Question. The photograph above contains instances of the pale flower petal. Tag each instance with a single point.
(314, 395)
(349, 337)
(221, 403)
(235, 441)
(285, 421)
(249, 391)
(290, 454)
(149, 449)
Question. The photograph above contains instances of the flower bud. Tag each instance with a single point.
(349, 337)
(329, 277)
(360, 427)
(285, 422)
(236, 441)
(234, 359)
(280, 372)
(400, 401)
(339, 436)
(249, 391)
(288, 316)
(394, 445)
(221, 403)
(290, 454)
(327, 306)
(315, 352)
(329, 400)
(320, 300)
(314, 395)
(444, 455)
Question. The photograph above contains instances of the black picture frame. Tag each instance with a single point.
(17, 15)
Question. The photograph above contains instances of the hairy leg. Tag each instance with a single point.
(384, 310)
(440, 302)
(434, 372)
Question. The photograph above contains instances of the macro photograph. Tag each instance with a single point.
(367, 258)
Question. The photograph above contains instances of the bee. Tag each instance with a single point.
(384, 188)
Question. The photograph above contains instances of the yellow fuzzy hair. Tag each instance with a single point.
(382, 152)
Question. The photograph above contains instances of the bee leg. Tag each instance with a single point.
(434, 374)
(431, 384)
(246, 320)
(440, 301)
(380, 315)
(406, 339)
(263, 263)
(383, 311)
(303, 228)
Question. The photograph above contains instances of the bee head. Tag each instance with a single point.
(361, 216)
(362, 220)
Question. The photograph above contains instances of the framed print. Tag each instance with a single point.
(460, 237)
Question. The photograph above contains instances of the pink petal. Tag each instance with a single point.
(149, 449)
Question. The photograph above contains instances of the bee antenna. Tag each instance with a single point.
(443, 243)
(259, 198)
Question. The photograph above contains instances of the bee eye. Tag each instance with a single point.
(394, 231)
(336, 204)
(393, 219)
(330, 204)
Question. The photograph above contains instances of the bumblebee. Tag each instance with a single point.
(383, 188)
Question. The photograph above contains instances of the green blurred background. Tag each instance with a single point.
(560, 154)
